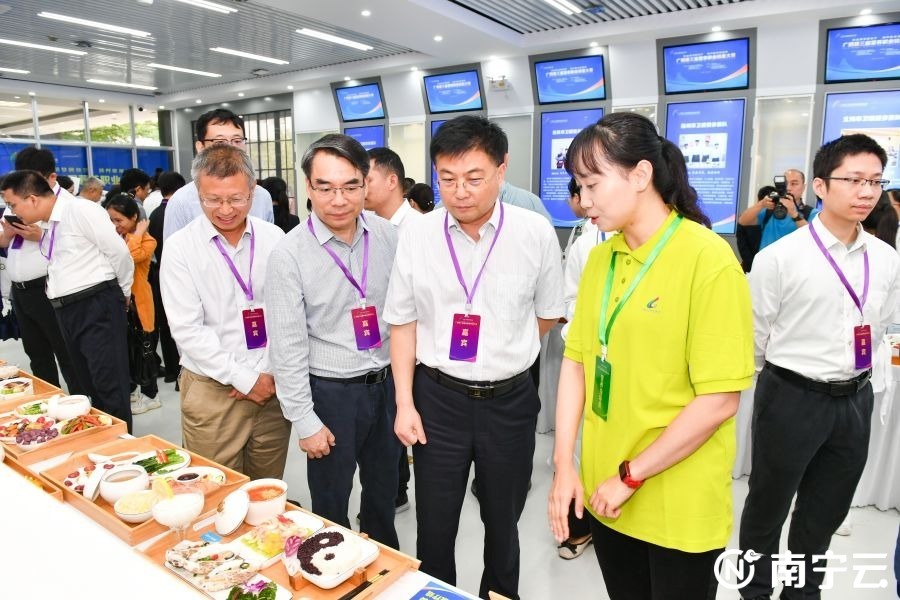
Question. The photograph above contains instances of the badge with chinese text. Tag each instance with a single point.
(464, 337)
(365, 326)
(254, 328)
(862, 346)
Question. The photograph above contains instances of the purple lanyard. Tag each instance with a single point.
(337, 260)
(247, 287)
(459, 275)
(860, 303)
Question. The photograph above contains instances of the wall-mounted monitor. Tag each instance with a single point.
(707, 66)
(558, 129)
(711, 137)
(370, 136)
(876, 114)
(360, 102)
(576, 79)
(863, 53)
(435, 125)
(453, 92)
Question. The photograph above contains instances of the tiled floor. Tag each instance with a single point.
(544, 574)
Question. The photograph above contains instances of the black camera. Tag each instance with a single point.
(780, 183)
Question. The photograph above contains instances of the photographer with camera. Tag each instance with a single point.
(782, 211)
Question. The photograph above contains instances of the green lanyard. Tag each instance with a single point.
(604, 333)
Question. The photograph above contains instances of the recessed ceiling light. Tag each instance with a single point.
(210, 5)
(101, 100)
(17, 97)
(717, 28)
(240, 94)
(11, 70)
(806, 114)
(183, 70)
(95, 24)
(268, 59)
(438, 38)
(161, 107)
(268, 98)
(564, 6)
(346, 79)
(594, 44)
(366, 13)
(866, 11)
(42, 47)
(333, 38)
(225, 104)
(122, 84)
(198, 101)
(414, 68)
(32, 94)
(492, 57)
(290, 87)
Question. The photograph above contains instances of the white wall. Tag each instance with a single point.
(787, 59)
(632, 72)
(314, 110)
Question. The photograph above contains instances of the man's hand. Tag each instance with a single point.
(29, 232)
(767, 203)
(787, 201)
(408, 425)
(318, 444)
(263, 389)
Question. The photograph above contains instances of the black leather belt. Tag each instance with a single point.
(85, 293)
(846, 387)
(370, 378)
(475, 389)
(40, 282)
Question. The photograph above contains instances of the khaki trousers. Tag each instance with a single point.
(239, 434)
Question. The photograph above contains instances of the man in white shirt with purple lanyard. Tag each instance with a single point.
(823, 297)
(212, 280)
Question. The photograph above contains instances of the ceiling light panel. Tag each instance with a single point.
(333, 38)
(94, 24)
(42, 47)
(243, 54)
(121, 84)
(184, 70)
(210, 6)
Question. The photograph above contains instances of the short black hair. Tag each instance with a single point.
(26, 182)
(574, 188)
(342, 146)
(132, 179)
(64, 181)
(219, 115)
(124, 204)
(831, 155)
(170, 182)
(37, 159)
(765, 191)
(466, 133)
(388, 160)
(423, 196)
(408, 182)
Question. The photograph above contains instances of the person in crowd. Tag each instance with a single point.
(330, 346)
(278, 189)
(67, 183)
(89, 278)
(748, 237)
(510, 194)
(775, 226)
(894, 197)
(92, 189)
(168, 183)
(658, 435)
(154, 198)
(421, 197)
(137, 183)
(384, 196)
(26, 268)
(812, 409)
(408, 182)
(882, 221)
(216, 127)
(213, 281)
(125, 215)
(478, 261)
(584, 224)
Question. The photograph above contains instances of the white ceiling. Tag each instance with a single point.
(401, 33)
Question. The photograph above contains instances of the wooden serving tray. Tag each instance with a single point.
(40, 390)
(36, 478)
(73, 442)
(102, 512)
(396, 562)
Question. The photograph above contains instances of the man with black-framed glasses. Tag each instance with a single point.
(216, 127)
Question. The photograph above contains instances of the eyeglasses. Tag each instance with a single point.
(235, 141)
(472, 184)
(348, 191)
(218, 202)
(859, 182)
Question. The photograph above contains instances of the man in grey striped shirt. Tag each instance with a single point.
(325, 292)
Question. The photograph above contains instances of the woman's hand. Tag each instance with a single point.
(566, 487)
(608, 498)
(141, 227)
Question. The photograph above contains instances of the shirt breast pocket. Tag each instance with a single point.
(511, 296)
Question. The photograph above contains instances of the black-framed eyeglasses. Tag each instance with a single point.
(348, 191)
(859, 182)
(235, 141)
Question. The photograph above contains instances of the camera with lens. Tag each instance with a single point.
(780, 183)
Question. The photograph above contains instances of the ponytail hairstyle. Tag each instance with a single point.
(625, 139)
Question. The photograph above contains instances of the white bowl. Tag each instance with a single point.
(260, 510)
(68, 407)
(8, 371)
(120, 480)
(148, 496)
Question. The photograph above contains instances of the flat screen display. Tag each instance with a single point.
(360, 103)
(371, 136)
(863, 53)
(876, 114)
(558, 129)
(577, 79)
(707, 67)
(453, 92)
(435, 125)
(711, 137)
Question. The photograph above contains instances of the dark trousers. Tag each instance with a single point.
(497, 434)
(578, 528)
(637, 570)
(809, 444)
(361, 417)
(95, 332)
(403, 482)
(41, 338)
(167, 344)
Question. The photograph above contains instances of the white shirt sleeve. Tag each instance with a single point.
(548, 295)
(262, 205)
(95, 225)
(400, 304)
(178, 213)
(765, 293)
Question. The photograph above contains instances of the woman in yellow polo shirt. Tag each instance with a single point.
(659, 348)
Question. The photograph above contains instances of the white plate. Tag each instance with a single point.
(211, 473)
(301, 519)
(168, 469)
(28, 391)
(77, 479)
(12, 439)
(194, 580)
(102, 418)
(22, 407)
(368, 552)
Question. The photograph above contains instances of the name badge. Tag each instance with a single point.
(602, 383)
(464, 337)
(254, 328)
(862, 346)
(365, 326)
